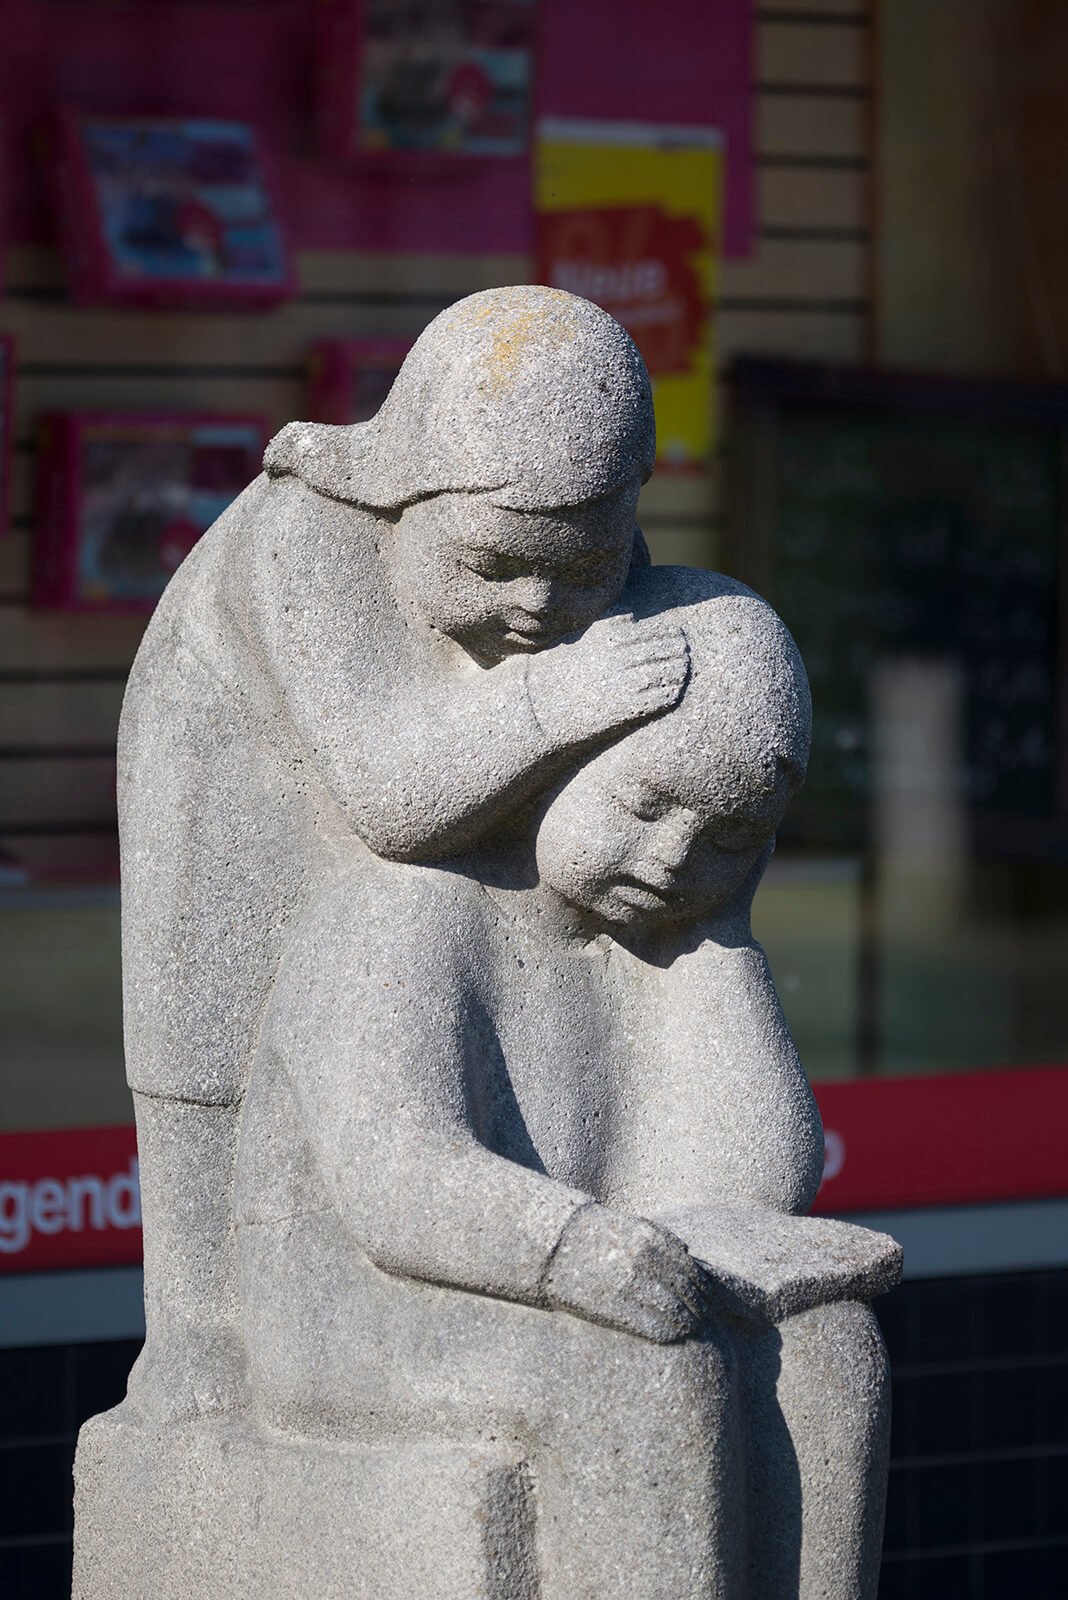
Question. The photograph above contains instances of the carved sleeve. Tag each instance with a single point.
(368, 1019)
(421, 765)
(435, 777)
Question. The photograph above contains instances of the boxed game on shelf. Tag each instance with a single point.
(425, 76)
(122, 499)
(348, 379)
(168, 212)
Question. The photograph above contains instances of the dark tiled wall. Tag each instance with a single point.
(45, 1396)
(978, 1503)
(978, 1506)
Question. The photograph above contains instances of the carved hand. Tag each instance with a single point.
(627, 1273)
(617, 671)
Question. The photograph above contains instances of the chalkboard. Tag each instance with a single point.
(891, 518)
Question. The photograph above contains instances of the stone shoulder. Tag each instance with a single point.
(400, 917)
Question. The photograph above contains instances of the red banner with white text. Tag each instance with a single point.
(69, 1197)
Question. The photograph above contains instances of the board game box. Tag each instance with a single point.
(168, 212)
(122, 499)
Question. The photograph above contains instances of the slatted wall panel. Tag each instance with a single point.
(804, 292)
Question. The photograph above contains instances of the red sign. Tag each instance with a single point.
(954, 1140)
(71, 1198)
(636, 262)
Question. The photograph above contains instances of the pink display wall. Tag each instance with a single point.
(254, 60)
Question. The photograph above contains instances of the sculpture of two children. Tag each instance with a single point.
(466, 1109)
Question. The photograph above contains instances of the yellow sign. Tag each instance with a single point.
(628, 215)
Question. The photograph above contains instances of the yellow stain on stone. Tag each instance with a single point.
(547, 324)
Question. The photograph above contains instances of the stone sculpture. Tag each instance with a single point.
(473, 1141)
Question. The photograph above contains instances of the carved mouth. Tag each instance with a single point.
(531, 636)
(643, 896)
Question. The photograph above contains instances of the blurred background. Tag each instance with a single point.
(837, 231)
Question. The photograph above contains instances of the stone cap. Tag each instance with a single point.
(530, 392)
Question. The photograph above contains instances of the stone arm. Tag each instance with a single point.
(725, 1113)
(379, 1055)
(726, 1110)
(422, 758)
(431, 768)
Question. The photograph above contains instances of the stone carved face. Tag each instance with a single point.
(501, 581)
(664, 826)
(639, 837)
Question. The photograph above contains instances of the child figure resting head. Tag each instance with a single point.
(476, 1083)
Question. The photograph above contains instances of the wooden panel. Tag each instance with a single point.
(821, 55)
(33, 266)
(278, 399)
(1035, 70)
(57, 333)
(56, 791)
(23, 465)
(826, 336)
(807, 269)
(685, 547)
(50, 641)
(803, 293)
(71, 857)
(855, 10)
(681, 516)
(951, 265)
(808, 125)
(58, 714)
(37, 267)
(813, 198)
(322, 271)
(687, 494)
(259, 365)
(14, 572)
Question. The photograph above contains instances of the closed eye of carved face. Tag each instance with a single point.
(496, 567)
(503, 582)
(650, 803)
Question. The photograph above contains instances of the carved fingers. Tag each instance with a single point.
(651, 662)
(617, 672)
(627, 1273)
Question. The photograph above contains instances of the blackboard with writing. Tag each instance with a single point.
(891, 520)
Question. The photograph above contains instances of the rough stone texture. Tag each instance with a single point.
(294, 689)
(216, 1511)
(442, 815)
(459, 415)
(769, 1267)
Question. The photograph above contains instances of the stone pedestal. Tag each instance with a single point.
(219, 1511)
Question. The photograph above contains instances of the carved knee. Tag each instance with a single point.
(697, 1375)
(838, 1350)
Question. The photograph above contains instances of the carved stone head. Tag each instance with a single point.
(532, 393)
(665, 825)
(509, 454)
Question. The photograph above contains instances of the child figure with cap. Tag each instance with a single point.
(358, 650)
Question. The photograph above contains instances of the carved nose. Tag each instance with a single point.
(536, 599)
(672, 844)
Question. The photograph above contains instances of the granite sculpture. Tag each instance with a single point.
(474, 1145)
